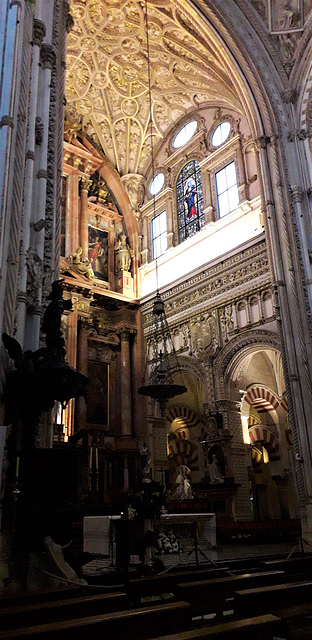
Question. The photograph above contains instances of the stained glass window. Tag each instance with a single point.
(190, 200)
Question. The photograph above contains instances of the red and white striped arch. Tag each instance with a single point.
(262, 399)
(183, 452)
(260, 433)
(186, 416)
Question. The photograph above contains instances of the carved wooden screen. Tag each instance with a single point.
(189, 200)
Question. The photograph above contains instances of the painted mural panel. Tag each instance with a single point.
(98, 252)
(98, 393)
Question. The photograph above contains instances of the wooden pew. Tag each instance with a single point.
(136, 624)
(271, 599)
(291, 566)
(209, 596)
(57, 610)
(164, 583)
(258, 628)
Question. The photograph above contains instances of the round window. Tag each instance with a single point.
(157, 184)
(220, 134)
(185, 134)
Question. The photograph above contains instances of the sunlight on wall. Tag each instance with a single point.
(245, 431)
(211, 242)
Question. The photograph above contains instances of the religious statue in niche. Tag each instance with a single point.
(216, 465)
(183, 484)
(190, 199)
(123, 254)
(81, 265)
(98, 252)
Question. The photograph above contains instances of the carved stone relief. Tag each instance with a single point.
(34, 278)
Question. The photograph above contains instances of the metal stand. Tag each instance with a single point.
(196, 549)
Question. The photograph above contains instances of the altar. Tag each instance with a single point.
(188, 525)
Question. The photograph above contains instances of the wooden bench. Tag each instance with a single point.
(271, 599)
(259, 628)
(210, 596)
(57, 610)
(30, 597)
(164, 583)
(133, 624)
(291, 566)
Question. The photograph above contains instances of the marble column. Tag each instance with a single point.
(125, 386)
(84, 216)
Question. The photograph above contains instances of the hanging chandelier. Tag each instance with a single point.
(164, 360)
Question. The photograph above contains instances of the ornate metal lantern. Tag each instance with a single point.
(164, 359)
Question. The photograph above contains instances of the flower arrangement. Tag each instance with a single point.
(167, 543)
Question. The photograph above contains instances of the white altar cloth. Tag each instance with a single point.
(207, 520)
(96, 534)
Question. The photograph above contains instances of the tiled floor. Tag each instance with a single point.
(102, 565)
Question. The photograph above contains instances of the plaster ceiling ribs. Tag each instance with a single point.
(107, 81)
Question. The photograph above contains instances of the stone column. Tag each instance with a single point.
(242, 180)
(238, 458)
(170, 232)
(126, 473)
(144, 252)
(298, 196)
(72, 230)
(39, 31)
(84, 216)
(209, 210)
(125, 385)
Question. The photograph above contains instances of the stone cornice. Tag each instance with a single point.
(241, 274)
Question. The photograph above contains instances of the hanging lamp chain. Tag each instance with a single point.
(151, 119)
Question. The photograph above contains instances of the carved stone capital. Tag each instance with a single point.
(7, 121)
(30, 155)
(296, 193)
(134, 184)
(85, 183)
(48, 56)
(39, 31)
(38, 131)
(262, 142)
(42, 173)
(69, 22)
(290, 96)
(124, 333)
(300, 134)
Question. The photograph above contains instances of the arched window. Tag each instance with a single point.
(189, 200)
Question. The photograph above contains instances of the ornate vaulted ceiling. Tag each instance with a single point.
(107, 79)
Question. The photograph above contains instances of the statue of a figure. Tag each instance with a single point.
(145, 462)
(81, 265)
(123, 254)
(51, 323)
(184, 490)
(215, 473)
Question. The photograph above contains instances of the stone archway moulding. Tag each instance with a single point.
(236, 350)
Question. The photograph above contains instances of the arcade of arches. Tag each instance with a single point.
(224, 232)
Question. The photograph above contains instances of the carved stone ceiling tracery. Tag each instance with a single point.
(107, 79)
